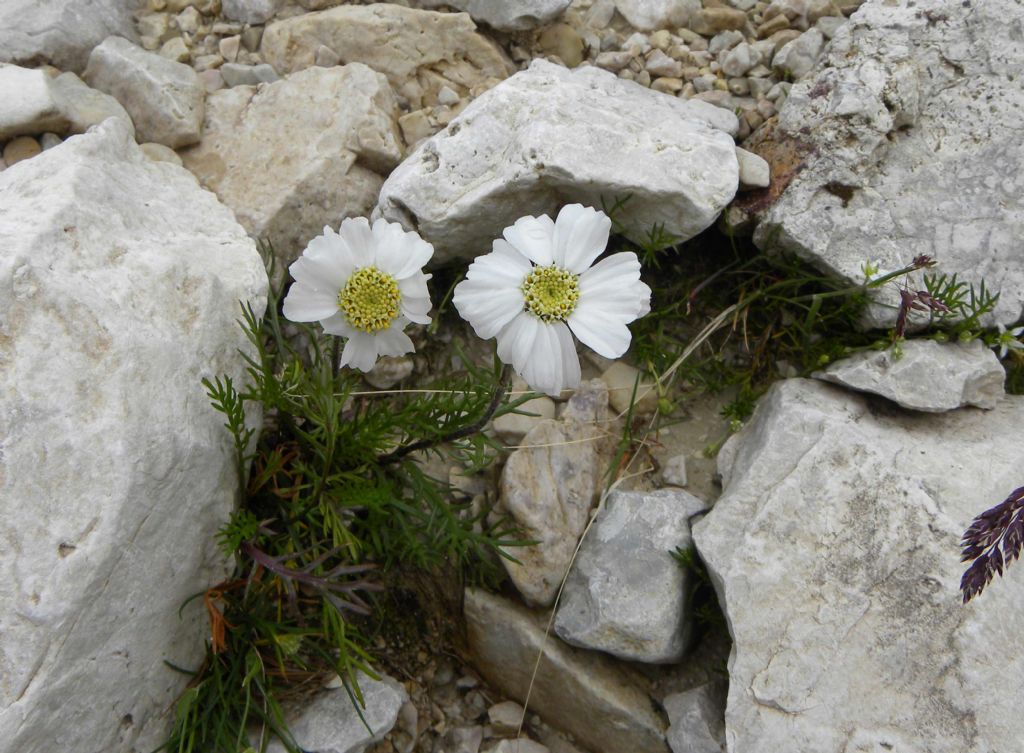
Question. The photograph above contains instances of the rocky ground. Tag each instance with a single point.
(145, 148)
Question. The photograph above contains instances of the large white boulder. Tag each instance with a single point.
(906, 140)
(120, 282)
(27, 103)
(549, 136)
(300, 153)
(834, 552)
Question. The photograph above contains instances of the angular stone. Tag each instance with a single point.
(250, 11)
(712, 20)
(300, 153)
(418, 50)
(697, 719)
(833, 549)
(797, 58)
(505, 15)
(657, 14)
(60, 32)
(512, 427)
(755, 172)
(84, 106)
(928, 376)
(163, 98)
(906, 160)
(528, 146)
(626, 595)
(121, 285)
(27, 103)
(329, 723)
(592, 697)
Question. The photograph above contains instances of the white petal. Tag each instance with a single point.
(570, 360)
(616, 282)
(602, 331)
(360, 351)
(415, 301)
(356, 233)
(516, 340)
(393, 341)
(533, 237)
(399, 253)
(338, 325)
(581, 234)
(307, 304)
(490, 296)
(545, 370)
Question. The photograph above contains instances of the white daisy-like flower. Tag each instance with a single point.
(1008, 340)
(365, 284)
(537, 289)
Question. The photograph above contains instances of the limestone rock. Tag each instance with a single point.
(548, 487)
(505, 15)
(164, 98)
(626, 595)
(84, 106)
(548, 136)
(60, 32)
(330, 723)
(27, 104)
(647, 15)
(591, 696)
(929, 376)
(250, 11)
(833, 549)
(418, 50)
(21, 148)
(240, 74)
(300, 153)
(697, 719)
(755, 172)
(797, 58)
(512, 427)
(121, 284)
(914, 128)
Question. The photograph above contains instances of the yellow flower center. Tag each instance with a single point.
(370, 299)
(551, 293)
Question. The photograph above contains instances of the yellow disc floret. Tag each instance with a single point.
(370, 299)
(551, 292)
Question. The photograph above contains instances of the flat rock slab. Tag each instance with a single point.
(120, 281)
(905, 140)
(27, 103)
(549, 136)
(626, 595)
(306, 151)
(834, 551)
(505, 15)
(591, 696)
(420, 51)
(927, 376)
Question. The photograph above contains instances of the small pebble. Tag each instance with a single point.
(326, 57)
(188, 20)
(228, 48)
(211, 80)
(49, 140)
(175, 49)
(447, 96)
(674, 471)
(206, 62)
(160, 153)
(21, 148)
(252, 37)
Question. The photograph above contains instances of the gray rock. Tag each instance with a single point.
(250, 11)
(505, 15)
(522, 745)
(697, 719)
(461, 740)
(626, 595)
(739, 60)
(755, 172)
(657, 14)
(833, 549)
(673, 471)
(121, 280)
(84, 106)
(527, 146)
(60, 32)
(592, 697)
(512, 427)
(163, 98)
(330, 723)
(930, 376)
(797, 58)
(418, 50)
(548, 487)
(240, 74)
(909, 121)
(300, 153)
(27, 104)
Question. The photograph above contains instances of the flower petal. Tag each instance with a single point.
(356, 233)
(516, 339)
(308, 304)
(571, 374)
(581, 234)
(533, 237)
(326, 263)
(338, 325)
(604, 333)
(399, 253)
(360, 351)
(490, 297)
(415, 301)
(616, 281)
(393, 341)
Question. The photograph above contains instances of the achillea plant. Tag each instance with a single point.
(993, 541)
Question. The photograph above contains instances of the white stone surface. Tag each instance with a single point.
(164, 98)
(250, 11)
(512, 427)
(548, 136)
(27, 104)
(834, 552)
(300, 153)
(657, 14)
(506, 15)
(419, 51)
(928, 376)
(626, 595)
(329, 723)
(121, 281)
(914, 125)
(84, 106)
(61, 32)
(596, 699)
(755, 172)
(797, 58)
(697, 719)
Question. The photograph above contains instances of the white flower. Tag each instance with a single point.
(1008, 340)
(538, 284)
(873, 270)
(365, 284)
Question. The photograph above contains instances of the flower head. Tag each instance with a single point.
(1008, 340)
(363, 283)
(537, 288)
